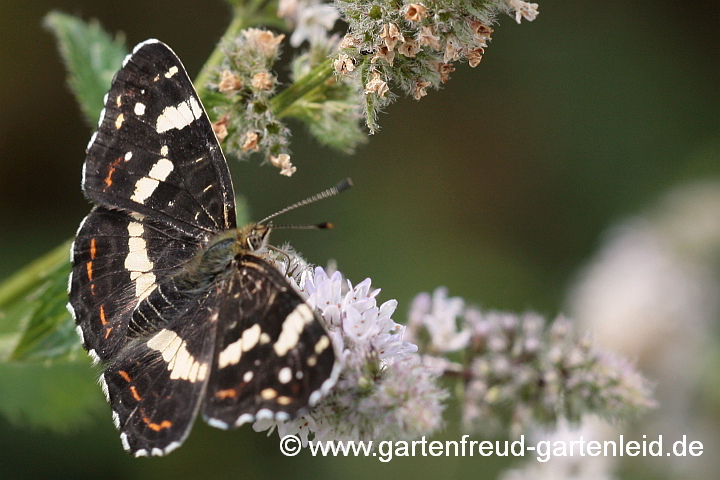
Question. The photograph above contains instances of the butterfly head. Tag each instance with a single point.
(253, 236)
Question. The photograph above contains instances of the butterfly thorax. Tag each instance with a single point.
(220, 251)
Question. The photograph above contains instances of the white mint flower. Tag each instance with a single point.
(313, 21)
(439, 317)
(383, 391)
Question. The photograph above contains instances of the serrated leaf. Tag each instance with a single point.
(34, 324)
(91, 56)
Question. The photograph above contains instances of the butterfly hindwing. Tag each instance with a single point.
(118, 259)
(273, 357)
(156, 385)
(155, 152)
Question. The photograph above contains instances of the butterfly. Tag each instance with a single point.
(184, 310)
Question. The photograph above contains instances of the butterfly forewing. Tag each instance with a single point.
(155, 152)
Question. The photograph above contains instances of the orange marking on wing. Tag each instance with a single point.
(223, 394)
(135, 394)
(125, 375)
(155, 426)
(89, 270)
(107, 332)
(93, 250)
(92, 288)
(111, 170)
(103, 320)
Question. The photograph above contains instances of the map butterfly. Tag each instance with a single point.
(185, 310)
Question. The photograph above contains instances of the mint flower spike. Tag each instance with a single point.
(383, 391)
(520, 371)
(412, 45)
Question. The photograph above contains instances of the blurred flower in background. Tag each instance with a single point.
(652, 293)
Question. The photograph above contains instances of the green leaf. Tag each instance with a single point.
(91, 56)
(34, 324)
(63, 397)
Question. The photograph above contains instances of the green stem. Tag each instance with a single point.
(217, 56)
(30, 276)
(283, 101)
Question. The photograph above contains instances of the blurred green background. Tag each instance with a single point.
(500, 187)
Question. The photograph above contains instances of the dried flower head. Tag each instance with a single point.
(282, 162)
(416, 12)
(528, 11)
(474, 56)
(262, 81)
(251, 141)
(409, 48)
(229, 82)
(263, 41)
(420, 89)
(220, 128)
(391, 35)
(377, 85)
(424, 34)
(344, 64)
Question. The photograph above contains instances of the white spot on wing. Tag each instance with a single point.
(80, 333)
(322, 344)
(145, 187)
(195, 107)
(90, 143)
(126, 59)
(102, 117)
(246, 417)
(172, 71)
(124, 440)
(248, 376)
(292, 327)
(116, 419)
(179, 116)
(263, 413)
(285, 375)
(139, 108)
(149, 41)
(156, 452)
(128, 156)
(138, 262)
(164, 150)
(105, 99)
(214, 422)
(94, 356)
(181, 364)
(104, 386)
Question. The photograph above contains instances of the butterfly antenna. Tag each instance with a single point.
(330, 192)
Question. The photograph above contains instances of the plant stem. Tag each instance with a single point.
(283, 101)
(216, 57)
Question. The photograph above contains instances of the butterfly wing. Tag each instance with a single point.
(273, 357)
(155, 385)
(119, 259)
(162, 188)
(155, 152)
